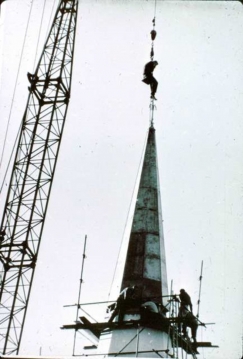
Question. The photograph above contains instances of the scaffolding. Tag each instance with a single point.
(178, 345)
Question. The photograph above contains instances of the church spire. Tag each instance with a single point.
(141, 263)
(145, 263)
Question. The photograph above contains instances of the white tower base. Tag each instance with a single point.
(142, 342)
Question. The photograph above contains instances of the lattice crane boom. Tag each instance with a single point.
(32, 174)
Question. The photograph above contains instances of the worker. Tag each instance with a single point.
(188, 320)
(185, 299)
(127, 298)
(149, 78)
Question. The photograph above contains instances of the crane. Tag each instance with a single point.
(32, 174)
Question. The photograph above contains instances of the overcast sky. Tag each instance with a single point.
(199, 131)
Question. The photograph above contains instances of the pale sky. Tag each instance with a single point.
(199, 131)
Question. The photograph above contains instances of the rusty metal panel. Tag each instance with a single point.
(145, 263)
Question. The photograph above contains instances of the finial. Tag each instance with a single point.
(152, 53)
(152, 108)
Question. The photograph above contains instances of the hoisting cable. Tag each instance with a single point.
(153, 34)
(128, 213)
(155, 8)
(13, 149)
(51, 16)
(14, 93)
(148, 78)
(9, 161)
(38, 40)
(16, 81)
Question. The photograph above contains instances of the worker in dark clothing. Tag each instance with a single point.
(126, 299)
(149, 78)
(185, 299)
(187, 319)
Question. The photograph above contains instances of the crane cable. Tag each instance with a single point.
(153, 34)
(51, 16)
(15, 86)
(38, 40)
(152, 107)
(5, 175)
(14, 93)
(131, 205)
(155, 7)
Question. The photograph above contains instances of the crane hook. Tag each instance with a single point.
(153, 34)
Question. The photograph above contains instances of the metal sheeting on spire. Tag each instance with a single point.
(145, 263)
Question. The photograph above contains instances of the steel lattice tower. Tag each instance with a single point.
(33, 171)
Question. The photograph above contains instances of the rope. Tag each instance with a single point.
(15, 86)
(48, 27)
(43, 11)
(5, 175)
(155, 8)
(139, 168)
(153, 32)
(38, 40)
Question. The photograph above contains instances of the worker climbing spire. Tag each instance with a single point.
(148, 72)
(151, 65)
